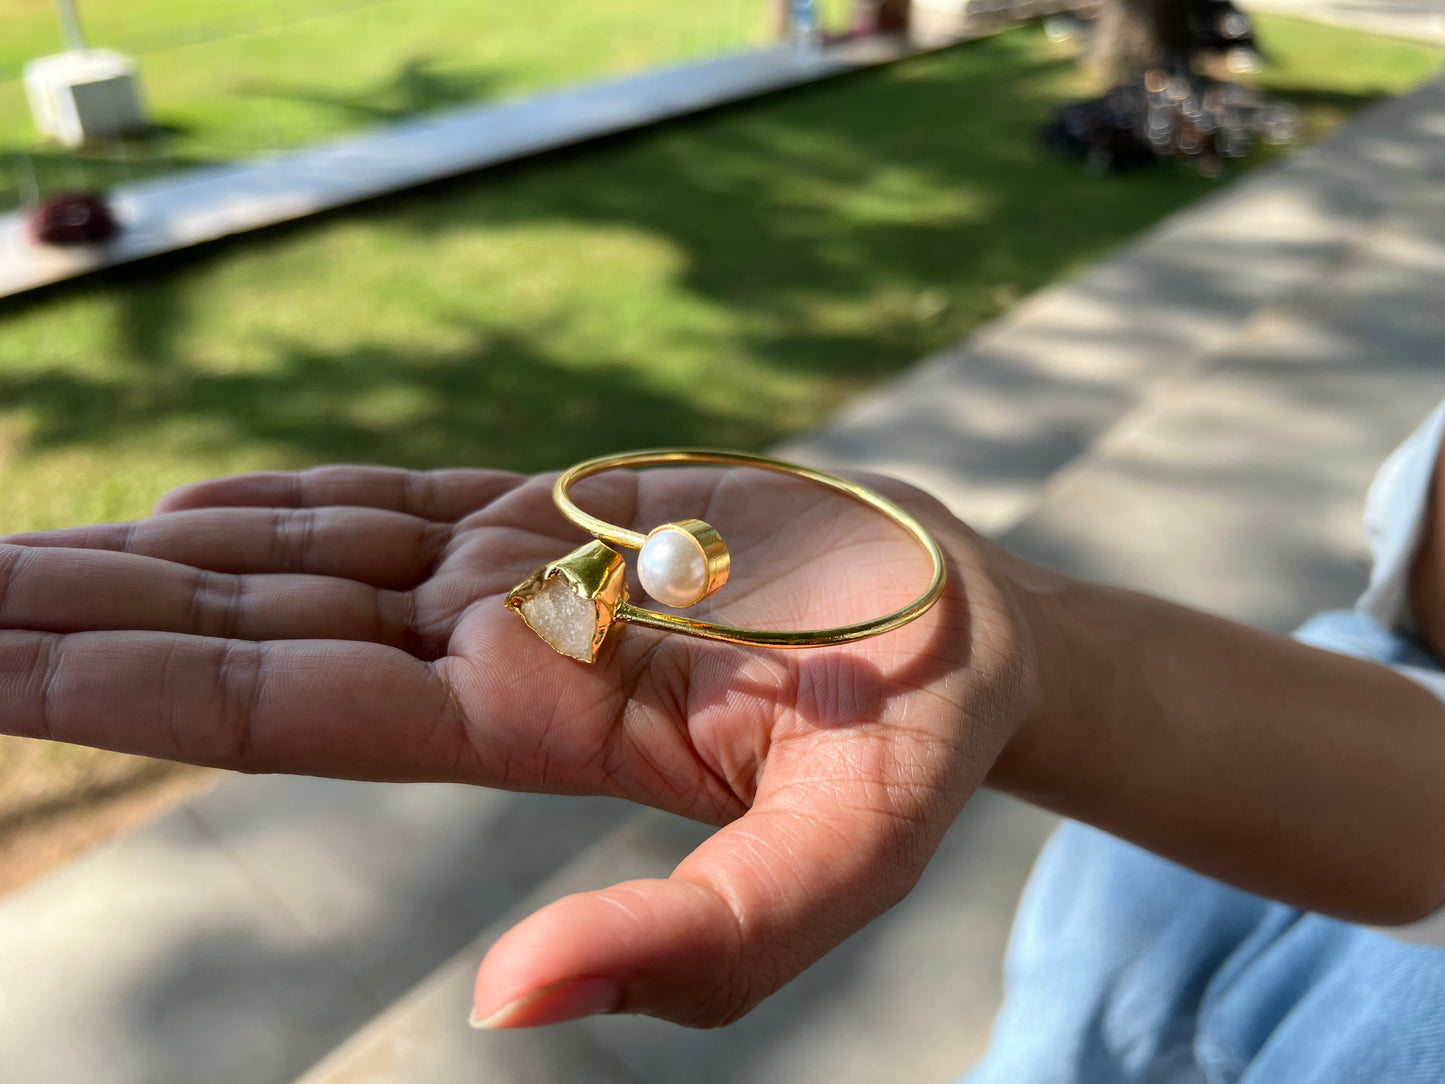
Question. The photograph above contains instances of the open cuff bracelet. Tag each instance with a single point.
(575, 602)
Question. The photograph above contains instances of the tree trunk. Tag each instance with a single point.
(1135, 36)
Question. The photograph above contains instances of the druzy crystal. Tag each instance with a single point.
(573, 602)
(566, 620)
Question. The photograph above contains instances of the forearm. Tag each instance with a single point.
(1295, 773)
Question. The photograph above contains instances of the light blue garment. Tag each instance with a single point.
(1124, 967)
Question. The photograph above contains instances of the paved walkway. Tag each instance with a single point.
(1197, 415)
(1423, 20)
(200, 205)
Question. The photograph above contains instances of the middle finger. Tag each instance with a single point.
(73, 590)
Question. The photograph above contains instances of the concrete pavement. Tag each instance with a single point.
(1423, 20)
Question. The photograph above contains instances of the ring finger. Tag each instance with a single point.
(73, 590)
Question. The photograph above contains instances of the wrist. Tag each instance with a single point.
(1050, 739)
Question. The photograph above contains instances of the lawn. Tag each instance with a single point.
(731, 280)
(254, 76)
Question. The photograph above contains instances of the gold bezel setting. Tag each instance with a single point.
(711, 554)
(595, 572)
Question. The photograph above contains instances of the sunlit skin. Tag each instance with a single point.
(349, 622)
(353, 625)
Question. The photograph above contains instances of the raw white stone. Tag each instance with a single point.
(672, 568)
(563, 618)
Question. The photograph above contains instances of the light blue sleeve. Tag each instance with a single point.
(1381, 626)
(1394, 521)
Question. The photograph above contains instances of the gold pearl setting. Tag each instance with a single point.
(580, 601)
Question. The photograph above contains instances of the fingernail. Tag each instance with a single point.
(571, 999)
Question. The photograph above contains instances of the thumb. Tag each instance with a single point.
(760, 901)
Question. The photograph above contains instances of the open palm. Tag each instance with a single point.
(349, 622)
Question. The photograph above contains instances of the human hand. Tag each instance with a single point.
(349, 622)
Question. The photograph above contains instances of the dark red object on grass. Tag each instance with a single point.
(77, 218)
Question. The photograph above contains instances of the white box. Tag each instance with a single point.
(83, 95)
(938, 22)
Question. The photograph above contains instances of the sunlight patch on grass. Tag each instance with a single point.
(732, 279)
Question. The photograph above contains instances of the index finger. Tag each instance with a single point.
(443, 496)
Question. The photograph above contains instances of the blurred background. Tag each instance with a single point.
(732, 277)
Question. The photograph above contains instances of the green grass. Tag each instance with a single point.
(254, 76)
(730, 279)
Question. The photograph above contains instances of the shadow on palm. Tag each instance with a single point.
(350, 621)
(694, 726)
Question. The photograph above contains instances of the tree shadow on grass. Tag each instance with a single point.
(1324, 98)
(496, 400)
(860, 199)
(419, 85)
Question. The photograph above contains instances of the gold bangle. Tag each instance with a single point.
(573, 603)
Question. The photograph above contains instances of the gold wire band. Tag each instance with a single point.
(662, 457)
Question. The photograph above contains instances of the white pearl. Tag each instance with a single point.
(672, 568)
